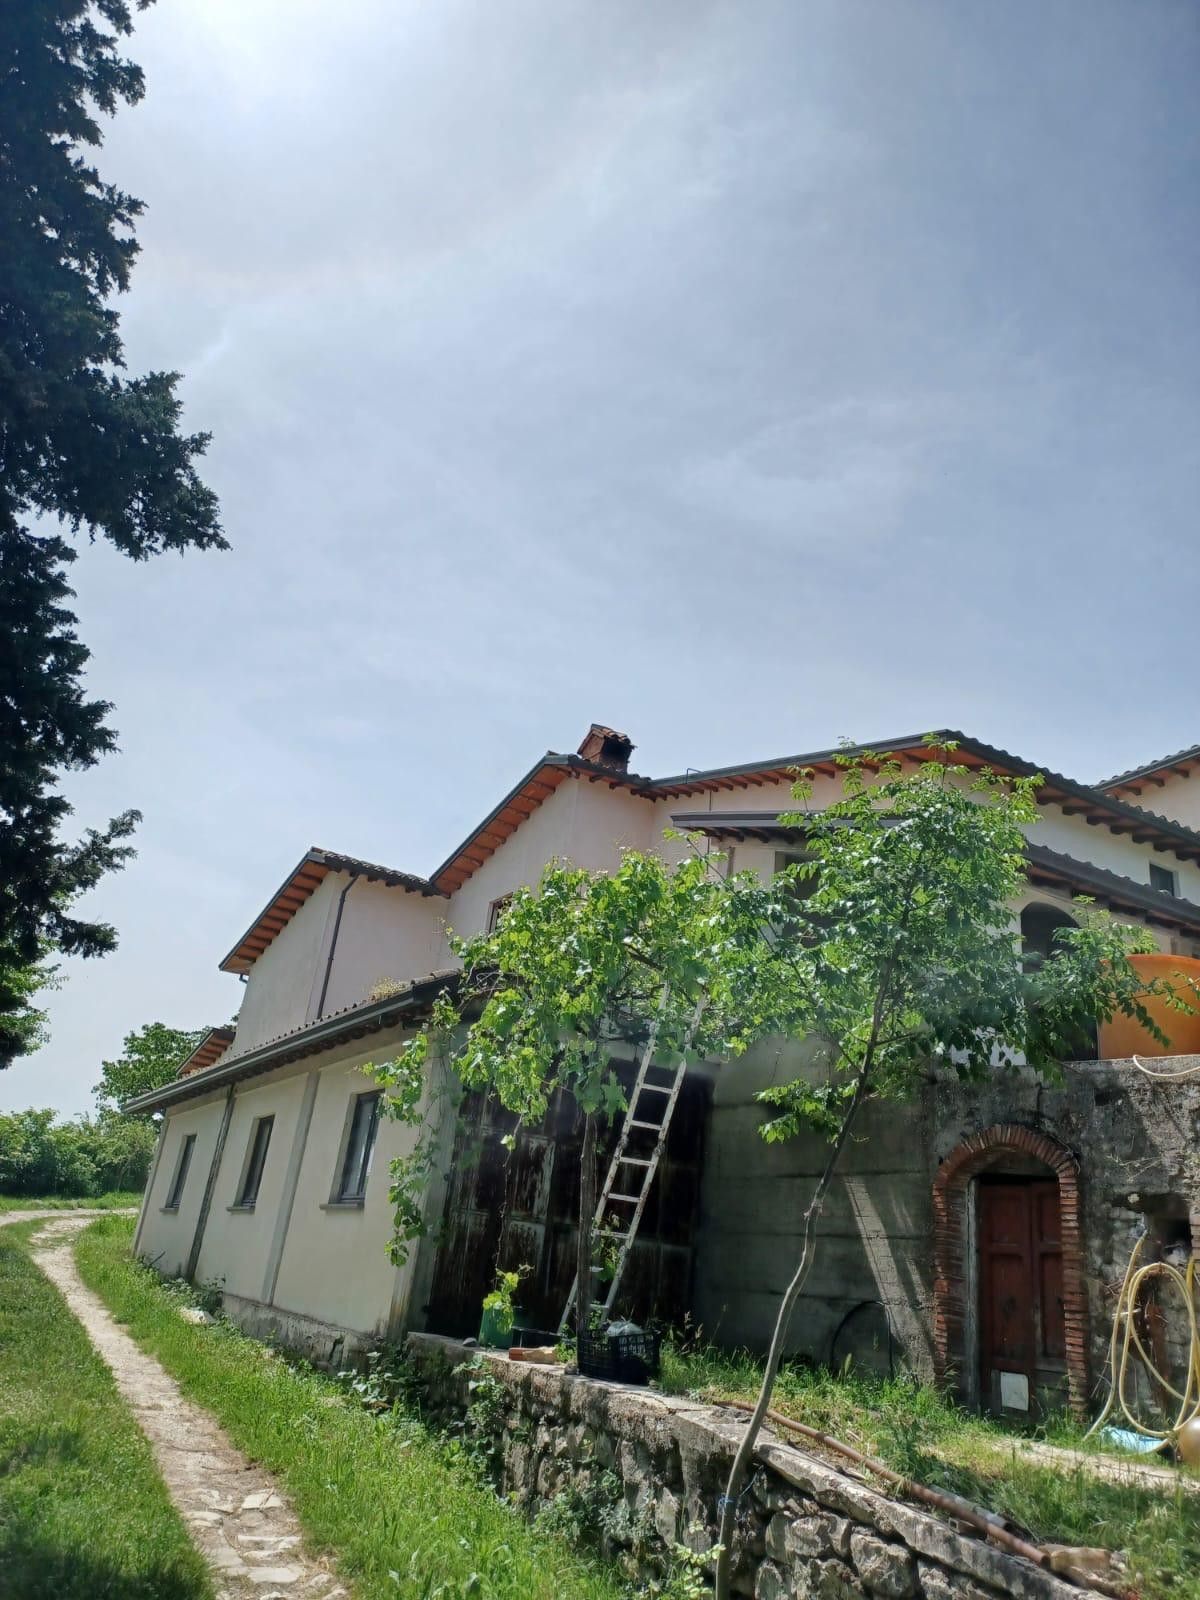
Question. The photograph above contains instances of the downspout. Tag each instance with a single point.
(337, 928)
(153, 1174)
(193, 1259)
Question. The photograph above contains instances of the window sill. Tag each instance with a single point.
(241, 1207)
(344, 1205)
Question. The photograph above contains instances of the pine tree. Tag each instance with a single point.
(80, 442)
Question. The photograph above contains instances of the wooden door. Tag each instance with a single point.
(1022, 1336)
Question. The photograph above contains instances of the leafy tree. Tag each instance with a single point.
(80, 443)
(588, 964)
(150, 1057)
(41, 1156)
(901, 944)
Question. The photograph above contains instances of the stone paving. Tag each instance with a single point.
(241, 1523)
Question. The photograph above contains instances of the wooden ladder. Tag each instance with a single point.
(650, 1109)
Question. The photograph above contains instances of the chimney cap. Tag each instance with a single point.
(606, 747)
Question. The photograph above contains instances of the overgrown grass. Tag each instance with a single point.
(83, 1512)
(115, 1200)
(404, 1518)
(915, 1430)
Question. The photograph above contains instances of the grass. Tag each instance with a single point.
(83, 1512)
(918, 1432)
(115, 1200)
(405, 1518)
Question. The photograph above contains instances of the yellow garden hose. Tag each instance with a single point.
(1126, 1338)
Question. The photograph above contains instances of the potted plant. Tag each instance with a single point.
(500, 1310)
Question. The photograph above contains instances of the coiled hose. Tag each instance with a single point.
(1126, 1339)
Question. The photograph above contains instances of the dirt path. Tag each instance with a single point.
(241, 1523)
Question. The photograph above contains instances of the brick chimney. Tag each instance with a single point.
(605, 747)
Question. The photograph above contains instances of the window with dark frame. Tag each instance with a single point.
(496, 910)
(360, 1147)
(175, 1193)
(1163, 879)
(260, 1139)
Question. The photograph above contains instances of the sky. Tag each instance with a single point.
(741, 376)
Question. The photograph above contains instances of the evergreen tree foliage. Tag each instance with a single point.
(81, 444)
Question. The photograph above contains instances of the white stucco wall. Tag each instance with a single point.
(385, 933)
(1117, 852)
(237, 1243)
(1179, 798)
(335, 1265)
(282, 987)
(588, 824)
(166, 1236)
(325, 1262)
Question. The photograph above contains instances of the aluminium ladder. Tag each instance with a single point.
(618, 1189)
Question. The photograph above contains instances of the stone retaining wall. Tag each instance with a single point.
(805, 1527)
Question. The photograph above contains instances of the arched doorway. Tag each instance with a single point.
(1010, 1303)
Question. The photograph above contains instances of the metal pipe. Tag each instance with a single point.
(214, 1167)
(952, 1504)
(337, 928)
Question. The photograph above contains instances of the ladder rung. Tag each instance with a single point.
(654, 1127)
(635, 1161)
(633, 1199)
(657, 1088)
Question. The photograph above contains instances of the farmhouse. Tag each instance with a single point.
(974, 1234)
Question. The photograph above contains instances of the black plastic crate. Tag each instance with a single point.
(619, 1357)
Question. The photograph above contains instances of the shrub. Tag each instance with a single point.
(39, 1156)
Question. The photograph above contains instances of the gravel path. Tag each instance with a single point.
(241, 1523)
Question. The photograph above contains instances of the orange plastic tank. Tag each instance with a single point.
(1124, 1036)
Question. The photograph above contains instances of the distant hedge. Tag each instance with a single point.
(39, 1156)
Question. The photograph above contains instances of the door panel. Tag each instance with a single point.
(1021, 1321)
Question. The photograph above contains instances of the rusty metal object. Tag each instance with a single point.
(953, 1505)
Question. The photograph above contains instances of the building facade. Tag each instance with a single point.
(974, 1234)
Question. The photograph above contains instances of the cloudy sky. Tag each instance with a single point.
(742, 375)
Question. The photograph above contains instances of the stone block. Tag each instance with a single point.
(771, 1584)
(888, 1570)
(935, 1583)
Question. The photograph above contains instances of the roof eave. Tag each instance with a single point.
(372, 1017)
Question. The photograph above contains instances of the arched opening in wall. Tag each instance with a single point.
(1010, 1306)
(1041, 923)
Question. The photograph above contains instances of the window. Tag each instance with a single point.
(496, 910)
(1162, 879)
(175, 1193)
(256, 1160)
(360, 1146)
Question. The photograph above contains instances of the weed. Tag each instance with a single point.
(404, 1518)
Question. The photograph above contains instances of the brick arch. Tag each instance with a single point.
(951, 1191)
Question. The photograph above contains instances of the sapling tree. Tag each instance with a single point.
(902, 952)
(586, 965)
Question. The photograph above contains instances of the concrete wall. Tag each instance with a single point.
(873, 1234)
